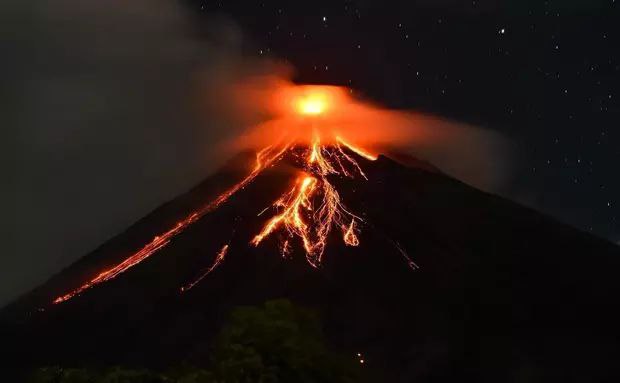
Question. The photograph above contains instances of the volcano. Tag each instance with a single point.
(431, 279)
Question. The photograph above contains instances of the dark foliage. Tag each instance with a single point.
(275, 343)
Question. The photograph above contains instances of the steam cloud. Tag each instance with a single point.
(480, 157)
(115, 107)
(104, 123)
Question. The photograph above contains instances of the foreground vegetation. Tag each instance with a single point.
(276, 342)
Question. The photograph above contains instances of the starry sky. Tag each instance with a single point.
(545, 74)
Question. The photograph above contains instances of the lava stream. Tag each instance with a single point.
(350, 238)
(264, 158)
(292, 217)
(357, 150)
(297, 212)
(219, 258)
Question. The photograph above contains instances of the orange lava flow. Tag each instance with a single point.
(350, 238)
(357, 150)
(219, 258)
(313, 206)
(293, 202)
(264, 158)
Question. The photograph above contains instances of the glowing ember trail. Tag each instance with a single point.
(307, 212)
(412, 265)
(218, 259)
(264, 158)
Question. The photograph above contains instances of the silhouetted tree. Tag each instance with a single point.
(278, 342)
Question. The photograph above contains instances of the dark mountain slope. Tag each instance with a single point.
(502, 292)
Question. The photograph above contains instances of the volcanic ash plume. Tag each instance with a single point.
(480, 157)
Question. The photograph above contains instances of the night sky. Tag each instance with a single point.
(546, 74)
(99, 100)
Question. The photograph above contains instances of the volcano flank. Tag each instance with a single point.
(432, 279)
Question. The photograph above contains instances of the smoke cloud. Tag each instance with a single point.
(104, 122)
(477, 156)
(115, 107)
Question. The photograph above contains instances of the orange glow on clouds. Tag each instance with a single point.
(301, 112)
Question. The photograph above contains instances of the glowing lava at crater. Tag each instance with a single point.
(313, 103)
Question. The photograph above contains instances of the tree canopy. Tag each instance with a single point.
(273, 343)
